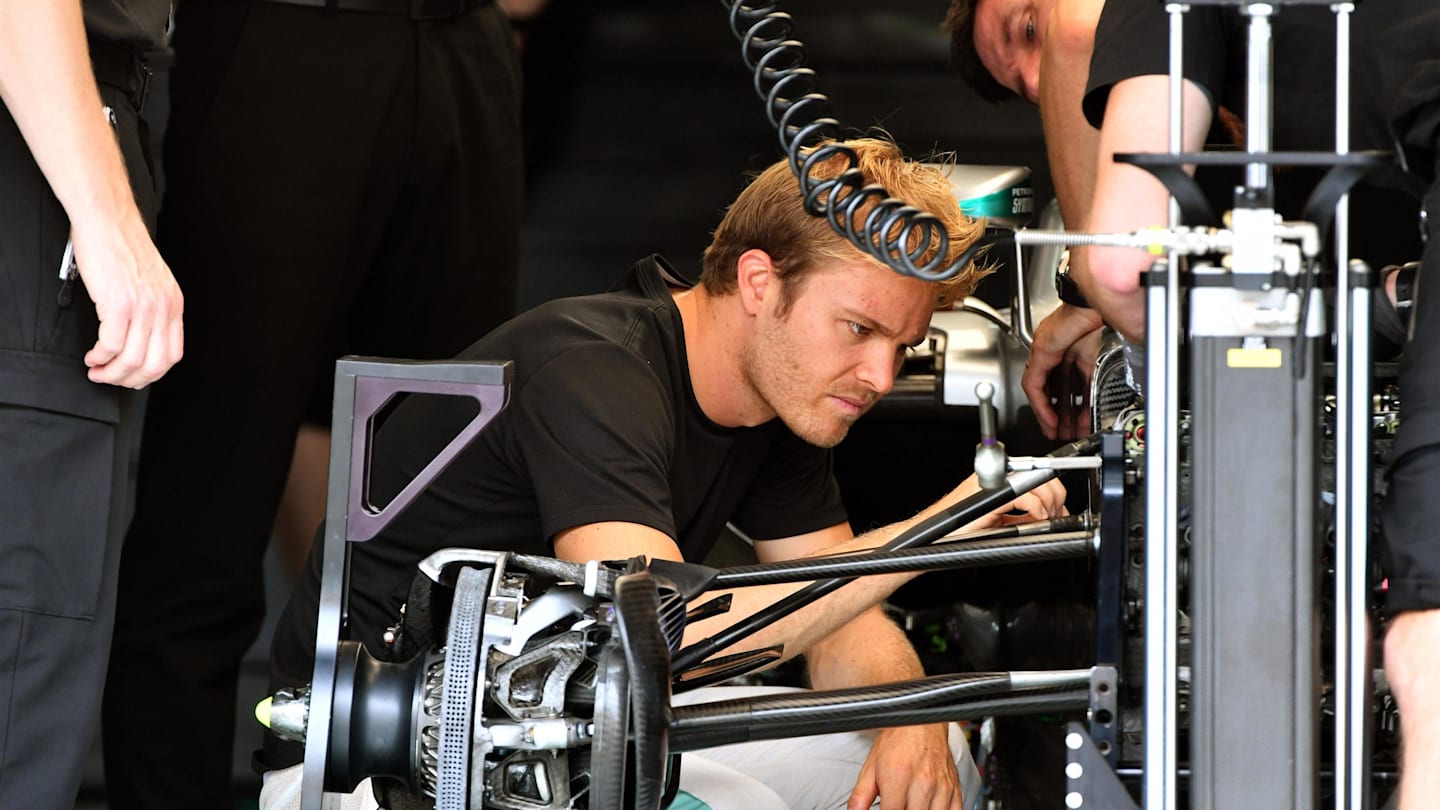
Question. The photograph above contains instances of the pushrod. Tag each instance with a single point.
(927, 531)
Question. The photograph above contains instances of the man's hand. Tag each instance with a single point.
(48, 87)
(136, 298)
(909, 768)
(1070, 334)
(1041, 503)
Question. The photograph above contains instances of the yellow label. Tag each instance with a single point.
(1252, 358)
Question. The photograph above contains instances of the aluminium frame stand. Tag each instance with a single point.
(1254, 333)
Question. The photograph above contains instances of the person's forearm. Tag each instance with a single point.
(1128, 199)
(48, 87)
(908, 766)
(47, 84)
(870, 649)
(1119, 299)
(1071, 144)
(801, 629)
(1412, 665)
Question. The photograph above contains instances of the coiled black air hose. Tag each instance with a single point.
(894, 233)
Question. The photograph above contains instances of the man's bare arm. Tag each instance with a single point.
(799, 630)
(1128, 198)
(47, 85)
(1071, 144)
(1412, 662)
(848, 640)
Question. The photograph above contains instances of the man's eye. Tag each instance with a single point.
(859, 330)
(1030, 30)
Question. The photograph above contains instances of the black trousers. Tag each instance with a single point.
(336, 183)
(65, 475)
(1410, 555)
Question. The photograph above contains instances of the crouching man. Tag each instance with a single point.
(644, 419)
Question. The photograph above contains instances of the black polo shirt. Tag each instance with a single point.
(139, 24)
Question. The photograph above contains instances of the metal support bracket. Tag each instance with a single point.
(362, 387)
(1090, 784)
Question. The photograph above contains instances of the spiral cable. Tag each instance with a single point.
(802, 118)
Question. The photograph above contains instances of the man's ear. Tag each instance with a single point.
(755, 277)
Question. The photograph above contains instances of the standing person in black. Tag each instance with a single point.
(74, 180)
(1396, 105)
(342, 177)
(644, 419)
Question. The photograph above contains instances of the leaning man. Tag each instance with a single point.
(644, 419)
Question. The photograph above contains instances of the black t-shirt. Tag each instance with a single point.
(139, 24)
(602, 425)
(1395, 78)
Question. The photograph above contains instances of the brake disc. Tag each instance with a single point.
(462, 653)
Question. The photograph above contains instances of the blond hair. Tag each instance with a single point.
(769, 215)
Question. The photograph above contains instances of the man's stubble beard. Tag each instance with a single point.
(770, 364)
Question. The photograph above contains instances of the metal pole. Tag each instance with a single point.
(1343, 429)
(1258, 97)
(1162, 494)
(333, 599)
(972, 554)
(1352, 472)
(1020, 318)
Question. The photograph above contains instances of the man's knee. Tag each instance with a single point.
(281, 791)
(1412, 651)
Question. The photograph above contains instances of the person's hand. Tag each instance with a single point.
(909, 768)
(523, 9)
(136, 298)
(1068, 336)
(1041, 503)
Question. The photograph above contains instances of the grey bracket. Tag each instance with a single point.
(1089, 780)
(1110, 570)
(362, 387)
(1104, 714)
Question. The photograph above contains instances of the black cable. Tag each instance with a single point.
(894, 233)
(1311, 269)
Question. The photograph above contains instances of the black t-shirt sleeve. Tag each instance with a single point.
(1133, 39)
(594, 429)
(793, 493)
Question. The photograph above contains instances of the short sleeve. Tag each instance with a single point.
(1132, 39)
(793, 493)
(595, 430)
